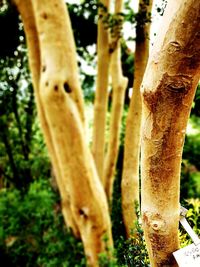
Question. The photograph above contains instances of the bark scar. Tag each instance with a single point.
(173, 47)
(177, 83)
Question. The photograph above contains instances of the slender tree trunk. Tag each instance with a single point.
(119, 84)
(25, 170)
(18, 122)
(168, 89)
(26, 10)
(29, 119)
(61, 98)
(15, 174)
(101, 94)
(130, 175)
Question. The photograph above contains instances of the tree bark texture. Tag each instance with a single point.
(130, 175)
(62, 104)
(101, 94)
(26, 10)
(168, 89)
(119, 84)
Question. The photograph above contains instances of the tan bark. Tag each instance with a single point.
(101, 94)
(130, 175)
(26, 10)
(168, 89)
(60, 96)
(119, 84)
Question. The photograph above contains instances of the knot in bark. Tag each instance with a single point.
(157, 225)
(173, 47)
(154, 221)
(177, 84)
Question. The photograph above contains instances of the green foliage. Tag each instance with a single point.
(190, 177)
(190, 173)
(193, 217)
(131, 252)
(196, 104)
(118, 229)
(113, 22)
(192, 143)
(107, 258)
(22, 154)
(32, 231)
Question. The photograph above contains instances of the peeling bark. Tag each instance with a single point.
(119, 84)
(101, 94)
(168, 90)
(130, 175)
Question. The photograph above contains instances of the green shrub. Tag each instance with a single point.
(131, 252)
(190, 187)
(193, 206)
(32, 231)
(191, 150)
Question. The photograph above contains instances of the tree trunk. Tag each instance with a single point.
(168, 89)
(24, 148)
(101, 94)
(62, 101)
(29, 119)
(26, 10)
(119, 84)
(130, 175)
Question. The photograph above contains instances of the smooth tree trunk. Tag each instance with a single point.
(130, 175)
(119, 84)
(62, 102)
(26, 11)
(101, 94)
(168, 89)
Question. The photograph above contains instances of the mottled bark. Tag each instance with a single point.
(168, 89)
(130, 175)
